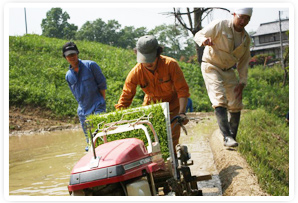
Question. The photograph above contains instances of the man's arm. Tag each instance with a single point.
(205, 36)
(182, 109)
(128, 92)
(182, 104)
(103, 93)
(238, 91)
(99, 77)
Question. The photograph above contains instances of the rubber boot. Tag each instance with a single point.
(223, 123)
(86, 136)
(234, 123)
(84, 127)
(87, 147)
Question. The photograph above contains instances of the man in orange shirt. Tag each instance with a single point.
(161, 79)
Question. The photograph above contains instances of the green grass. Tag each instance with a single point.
(37, 77)
(264, 142)
(265, 90)
(37, 74)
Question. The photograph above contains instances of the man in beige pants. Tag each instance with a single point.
(227, 47)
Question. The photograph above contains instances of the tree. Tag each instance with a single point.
(129, 36)
(195, 24)
(86, 32)
(172, 37)
(55, 25)
(189, 51)
(99, 31)
(110, 33)
(92, 31)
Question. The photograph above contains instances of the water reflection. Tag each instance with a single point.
(40, 164)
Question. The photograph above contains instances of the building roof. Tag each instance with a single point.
(272, 27)
(268, 46)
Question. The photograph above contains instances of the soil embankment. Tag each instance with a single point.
(33, 120)
(236, 175)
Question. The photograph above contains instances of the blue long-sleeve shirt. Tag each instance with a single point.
(189, 105)
(85, 86)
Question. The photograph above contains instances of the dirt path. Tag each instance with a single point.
(236, 175)
(197, 141)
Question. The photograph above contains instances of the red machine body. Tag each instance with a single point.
(128, 167)
(117, 161)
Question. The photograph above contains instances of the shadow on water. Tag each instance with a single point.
(40, 164)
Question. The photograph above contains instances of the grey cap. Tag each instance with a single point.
(69, 48)
(146, 49)
(70, 52)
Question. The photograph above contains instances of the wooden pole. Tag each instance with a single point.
(280, 39)
(281, 51)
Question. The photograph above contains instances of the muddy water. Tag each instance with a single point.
(197, 141)
(40, 164)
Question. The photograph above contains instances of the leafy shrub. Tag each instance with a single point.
(265, 90)
(260, 59)
(197, 88)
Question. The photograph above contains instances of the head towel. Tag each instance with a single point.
(243, 11)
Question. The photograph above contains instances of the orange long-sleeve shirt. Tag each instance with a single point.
(166, 84)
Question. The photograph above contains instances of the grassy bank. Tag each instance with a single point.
(37, 77)
(37, 74)
(264, 142)
(265, 90)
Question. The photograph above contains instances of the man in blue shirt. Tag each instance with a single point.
(87, 84)
(189, 105)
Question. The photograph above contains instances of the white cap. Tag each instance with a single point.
(243, 11)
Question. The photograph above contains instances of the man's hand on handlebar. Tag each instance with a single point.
(183, 118)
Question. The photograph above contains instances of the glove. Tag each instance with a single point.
(183, 118)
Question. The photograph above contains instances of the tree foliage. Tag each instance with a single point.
(129, 35)
(194, 23)
(110, 33)
(56, 25)
(174, 40)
